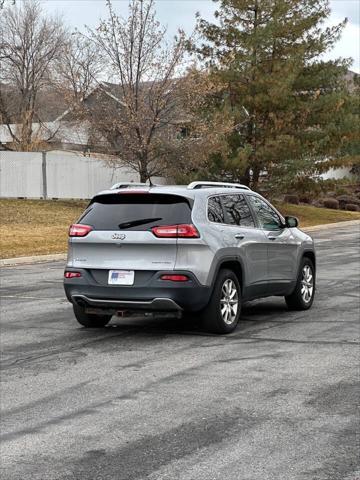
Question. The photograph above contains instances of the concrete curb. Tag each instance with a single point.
(329, 226)
(8, 262)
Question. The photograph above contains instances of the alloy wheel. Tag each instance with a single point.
(307, 284)
(229, 301)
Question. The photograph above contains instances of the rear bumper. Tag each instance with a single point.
(149, 292)
(158, 304)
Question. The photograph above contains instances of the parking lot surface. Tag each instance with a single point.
(158, 399)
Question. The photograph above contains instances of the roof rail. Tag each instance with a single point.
(197, 185)
(119, 185)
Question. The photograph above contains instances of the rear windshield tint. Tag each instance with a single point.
(136, 211)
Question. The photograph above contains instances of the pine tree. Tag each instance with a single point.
(291, 110)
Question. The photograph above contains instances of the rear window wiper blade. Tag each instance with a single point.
(136, 223)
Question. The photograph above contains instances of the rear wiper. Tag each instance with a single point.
(135, 223)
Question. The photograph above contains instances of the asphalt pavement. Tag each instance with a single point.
(158, 399)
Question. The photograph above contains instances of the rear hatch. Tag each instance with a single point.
(121, 235)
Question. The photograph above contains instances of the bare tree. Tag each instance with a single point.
(138, 117)
(204, 134)
(78, 68)
(29, 45)
(3, 2)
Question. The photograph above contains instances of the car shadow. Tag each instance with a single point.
(258, 312)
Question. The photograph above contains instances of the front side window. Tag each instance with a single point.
(215, 210)
(237, 211)
(267, 217)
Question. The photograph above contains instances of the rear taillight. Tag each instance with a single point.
(176, 231)
(72, 274)
(78, 230)
(175, 278)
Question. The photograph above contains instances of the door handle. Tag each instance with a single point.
(239, 236)
(272, 238)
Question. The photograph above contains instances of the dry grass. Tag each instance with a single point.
(36, 227)
(309, 216)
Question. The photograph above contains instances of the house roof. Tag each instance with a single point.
(350, 77)
(49, 104)
(114, 92)
(63, 132)
(52, 107)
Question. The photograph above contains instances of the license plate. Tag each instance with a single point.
(121, 277)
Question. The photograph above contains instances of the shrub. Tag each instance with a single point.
(304, 198)
(294, 199)
(346, 199)
(351, 207)
(331, 194)
(331, 203)
(341, 191)
(317, 203)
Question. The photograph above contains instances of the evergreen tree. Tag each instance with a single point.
(292, 111)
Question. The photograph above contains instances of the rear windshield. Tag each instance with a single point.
(136, 211)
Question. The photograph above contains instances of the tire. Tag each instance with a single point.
(303, 295)
(89, 320)
(214, 316)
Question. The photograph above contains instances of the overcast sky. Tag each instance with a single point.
(181, 13)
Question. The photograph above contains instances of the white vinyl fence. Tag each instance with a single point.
(57, 175)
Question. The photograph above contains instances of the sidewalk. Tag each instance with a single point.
(8, 262)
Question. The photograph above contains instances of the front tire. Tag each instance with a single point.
(303, 295)
(90, 320)
(222, 313)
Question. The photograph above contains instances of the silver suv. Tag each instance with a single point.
(206, 247)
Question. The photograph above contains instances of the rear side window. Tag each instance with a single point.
(215, 210)
(136, 211)
(237, 211)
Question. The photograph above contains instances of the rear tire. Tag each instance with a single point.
(303, 295)
(90, 320)
(222, 313)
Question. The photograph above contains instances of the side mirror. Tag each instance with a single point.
(291, 222)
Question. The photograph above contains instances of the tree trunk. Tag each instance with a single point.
(245, 179)
(255, 178)
(143, 176)
(26, 130)
(143, 171)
